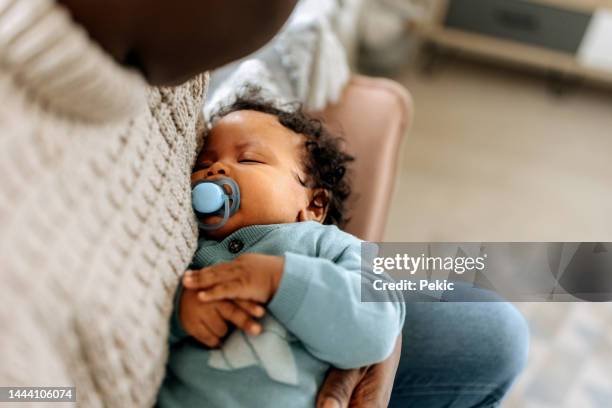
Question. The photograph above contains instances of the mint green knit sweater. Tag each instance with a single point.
(315, 320)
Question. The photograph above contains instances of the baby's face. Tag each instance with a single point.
(265, 159)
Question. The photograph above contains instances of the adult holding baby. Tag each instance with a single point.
(97, 225)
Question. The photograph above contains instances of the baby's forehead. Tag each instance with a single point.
(253, 128)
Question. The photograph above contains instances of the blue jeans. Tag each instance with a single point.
(459, 355)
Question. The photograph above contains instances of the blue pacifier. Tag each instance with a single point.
(211, 197)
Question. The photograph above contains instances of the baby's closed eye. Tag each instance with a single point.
(250, 158)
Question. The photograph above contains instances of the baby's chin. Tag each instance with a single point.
(233, 224)
(241, 220)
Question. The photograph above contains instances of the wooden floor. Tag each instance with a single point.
(494, 155)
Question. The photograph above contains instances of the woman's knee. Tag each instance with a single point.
(501, 329)
(481, 341)
(461, 353)
(508, 341)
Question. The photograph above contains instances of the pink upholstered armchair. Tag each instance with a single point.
(373, 115)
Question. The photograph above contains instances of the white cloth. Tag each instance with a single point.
(305, 62)
(313, 55)
(252, 72)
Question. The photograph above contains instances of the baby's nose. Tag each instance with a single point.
(217, 168)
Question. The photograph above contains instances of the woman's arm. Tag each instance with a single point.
(366, 387)
(172, 41)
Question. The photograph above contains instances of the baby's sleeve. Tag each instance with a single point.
(319, 301)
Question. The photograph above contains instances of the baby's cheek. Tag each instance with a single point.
(270, 198)
(283, 194)
(198, 175)
(271, 208)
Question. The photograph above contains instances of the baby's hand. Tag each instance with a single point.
(253, 277)
(206, 321)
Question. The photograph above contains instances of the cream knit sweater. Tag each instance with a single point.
(95, 216)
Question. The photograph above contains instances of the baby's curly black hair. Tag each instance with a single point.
(325, 162)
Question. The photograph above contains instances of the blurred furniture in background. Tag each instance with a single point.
(373, 115)
(568, 37)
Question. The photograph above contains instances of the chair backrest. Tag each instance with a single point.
(373, 116)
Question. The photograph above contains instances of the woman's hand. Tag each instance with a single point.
(366, 387)
(253, 277)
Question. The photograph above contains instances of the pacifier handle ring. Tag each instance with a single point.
(210, 227)
(234, 194)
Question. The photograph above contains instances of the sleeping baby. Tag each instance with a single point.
(273, 295)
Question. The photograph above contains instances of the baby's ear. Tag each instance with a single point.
(317, 207)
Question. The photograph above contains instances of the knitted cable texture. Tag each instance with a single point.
(96, 223)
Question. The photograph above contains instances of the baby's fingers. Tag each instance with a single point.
(252, 308)
(241, 319)
(205, 336)
(228, 290)
(210, 276)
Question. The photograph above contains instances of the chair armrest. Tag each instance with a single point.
(373, 116)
